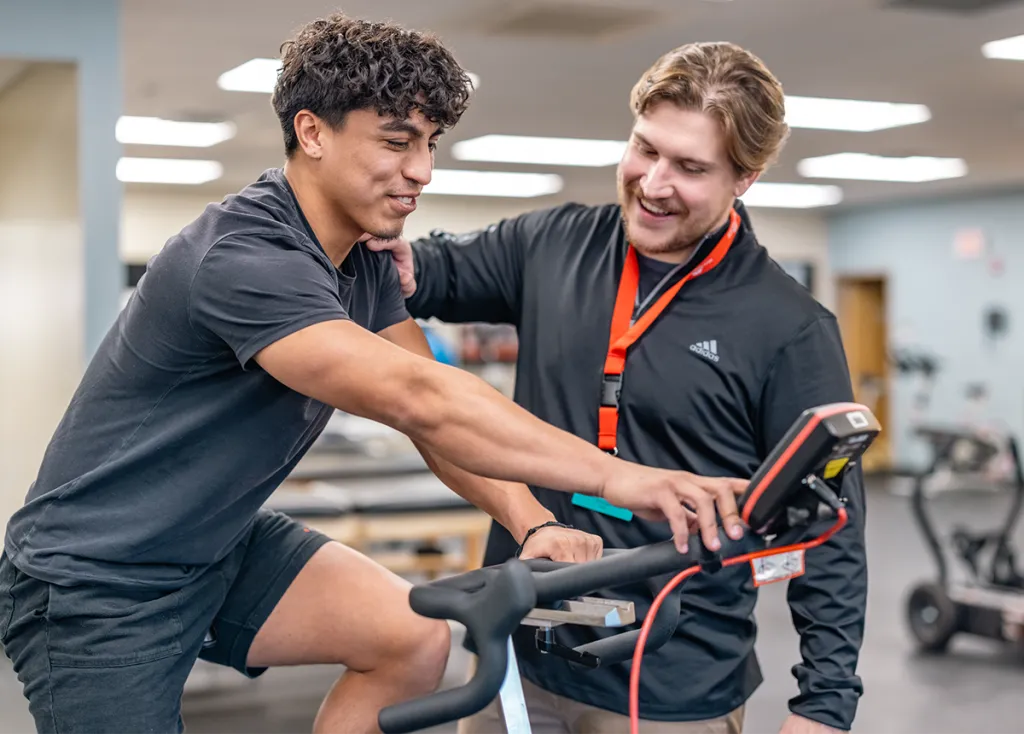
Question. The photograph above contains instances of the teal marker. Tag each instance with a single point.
(598, 504)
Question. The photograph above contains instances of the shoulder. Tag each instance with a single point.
(571, 226)
(262, 211)
(770, 300)
(537, 225)
(573, 216)
(797, 323)
(792, 299)
(261, 254)
(568, 214)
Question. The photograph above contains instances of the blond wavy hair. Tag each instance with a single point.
(732, 85)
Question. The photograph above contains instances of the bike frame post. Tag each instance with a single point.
(513, 702)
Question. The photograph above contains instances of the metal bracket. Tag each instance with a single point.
(586, 610)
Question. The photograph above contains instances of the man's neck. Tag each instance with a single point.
(676, 257)
(336, 234)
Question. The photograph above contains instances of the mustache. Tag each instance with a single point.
(669, 205)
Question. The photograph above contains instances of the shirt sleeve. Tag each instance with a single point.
(391, 307)
(476, 276)
(250, 293)
(828, 601)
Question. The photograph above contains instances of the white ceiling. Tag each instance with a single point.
(563, 83)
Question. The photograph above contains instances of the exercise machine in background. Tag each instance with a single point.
(987, 598)
(966, 451)
(990, 601)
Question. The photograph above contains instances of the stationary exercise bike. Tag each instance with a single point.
(787, 507)
(991, 602)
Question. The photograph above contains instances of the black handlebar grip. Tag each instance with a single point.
(620, 647)
(491, 613)
(468, 581)
(546, 565)
(616, 569)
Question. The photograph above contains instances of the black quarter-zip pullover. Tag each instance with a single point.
(709, 388)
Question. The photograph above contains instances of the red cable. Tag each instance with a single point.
(645, 629)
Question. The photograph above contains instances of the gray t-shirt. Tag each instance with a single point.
(175, 436)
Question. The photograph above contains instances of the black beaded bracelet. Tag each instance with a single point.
(531, 531)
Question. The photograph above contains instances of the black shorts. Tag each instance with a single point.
(95, 659)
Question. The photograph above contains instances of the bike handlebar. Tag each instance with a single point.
(490, 611)
(491, 602)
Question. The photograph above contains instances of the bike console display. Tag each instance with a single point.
(781, 505)
(820, 446)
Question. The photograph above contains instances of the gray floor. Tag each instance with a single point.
(978, 687)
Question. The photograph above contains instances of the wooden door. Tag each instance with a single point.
(862, 322)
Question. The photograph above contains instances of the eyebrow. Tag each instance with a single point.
(683, 159)
(404, 126)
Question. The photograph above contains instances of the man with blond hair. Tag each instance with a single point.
(659, 329)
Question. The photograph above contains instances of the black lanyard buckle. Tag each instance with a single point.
(611, 389)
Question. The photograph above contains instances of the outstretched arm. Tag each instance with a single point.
(828, 602)
(276, 306)
(464, 420)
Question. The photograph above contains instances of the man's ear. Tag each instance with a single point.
(309, 129)
(744, 182)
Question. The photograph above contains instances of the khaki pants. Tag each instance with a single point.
(551, 714)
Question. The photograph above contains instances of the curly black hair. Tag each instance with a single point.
(337, 64)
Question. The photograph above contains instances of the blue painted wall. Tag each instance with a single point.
(937, 301)
(86, 32)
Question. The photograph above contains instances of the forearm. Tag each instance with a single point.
(446, 410)
(510, 503)
(462, 419)
(828, 606)
(828, 602)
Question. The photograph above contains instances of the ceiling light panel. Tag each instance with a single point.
(168, 170)
(492, 183)
(867, 167)
(539, 150)
(260, 75)
(791, 195)
(852, 115)
(156, 131)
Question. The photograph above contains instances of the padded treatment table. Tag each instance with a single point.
(406, 522)
(331, 465)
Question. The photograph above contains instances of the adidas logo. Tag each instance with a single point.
(708, 350)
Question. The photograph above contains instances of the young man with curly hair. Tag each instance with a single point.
(142, 544)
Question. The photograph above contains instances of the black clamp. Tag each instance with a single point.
(546, 644)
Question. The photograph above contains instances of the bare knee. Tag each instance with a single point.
(431, 654)
(420, 655)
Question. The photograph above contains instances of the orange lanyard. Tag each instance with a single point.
(624, 333)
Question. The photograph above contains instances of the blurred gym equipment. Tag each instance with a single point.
(990, 602)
